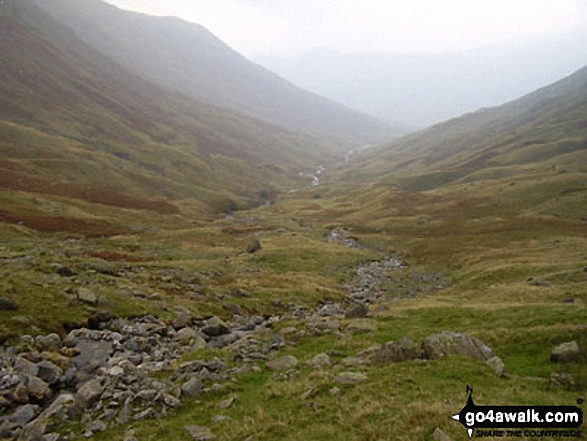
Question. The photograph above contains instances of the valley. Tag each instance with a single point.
(179, 269)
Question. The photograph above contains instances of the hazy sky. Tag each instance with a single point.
(292, 27)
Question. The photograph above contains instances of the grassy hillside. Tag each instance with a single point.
(545, 128)
(188, 58)
(73, 123)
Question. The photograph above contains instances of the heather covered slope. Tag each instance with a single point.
(538, 131)
(188, 58)
(75, 123)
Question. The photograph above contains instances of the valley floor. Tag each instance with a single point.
(517, 284)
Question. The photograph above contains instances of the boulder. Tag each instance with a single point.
(51, 342)
(350, 378)
(391, 352)
(182, 320)
(319, 361)
(26, 367)
(282, 363)
(439, 435)
(23, 415)
(7, 305)
(316, 328)
(357, 311)
(38, 389)
(92, 354)
(49, 372)
(21, 394)
(199, 433)
(227, 404)
(192, 387)
(87, 296)
(89, 393)
(562, 381)
(497, 366)
(186, 335)
(451, 343)
(215, 327)
(57, 412)
(565, 352)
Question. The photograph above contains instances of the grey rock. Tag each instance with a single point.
(192, 388)
(182, 320)
(439, 435)
(565, 353)
(171, 401)
(7, 305)
(21, 394)
(126, 412)
(227, 404)
(233, 309)
(186, 335)
(96, 426)
(335, 391)
(92, 355)
(316, 328)
(357, 311)
(451, 343)
(319, 361)
(23, 415)
(215, 327)
(21, 320)
(49, 372)
(282, 363)
(352, 361)
(89, 393)
(220, 419)
(350, 378)
(146, 395)
(497, 366)
(51, 342)
(147, 414)
(58, 411)
(309, 393)
(38, 389)
(391, 352)
(87, 296)
(199, 433)
(562, 381)
(26, 367)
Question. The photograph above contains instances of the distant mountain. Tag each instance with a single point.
(74, 123)
(188, 58)
(423, 89)
(545, 128)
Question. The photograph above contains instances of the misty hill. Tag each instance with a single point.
(423, 89)
(74, 123)
(188, 58)
(543, 130)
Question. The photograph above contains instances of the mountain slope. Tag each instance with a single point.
(74, 123)
(543, 128)
(189, 59)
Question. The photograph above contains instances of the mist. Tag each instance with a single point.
(423, 89)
